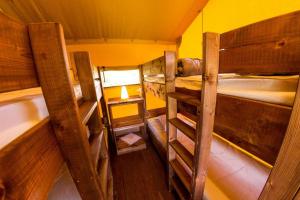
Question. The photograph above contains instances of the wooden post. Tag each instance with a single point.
(205, 123)
(171, 104)
(284, 180)
(52, 65)
(87, 84)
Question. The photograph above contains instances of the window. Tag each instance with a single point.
(122, 77)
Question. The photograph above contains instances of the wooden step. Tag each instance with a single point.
(192, 100)
(182, 174)
(186, 156)
(95, 145)
(86, 110)
(183, 127)
(180, 189)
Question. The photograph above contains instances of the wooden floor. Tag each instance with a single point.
(140, 176)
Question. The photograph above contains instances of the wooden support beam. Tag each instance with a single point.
(206, 110)
(284, 180)
(48, 44)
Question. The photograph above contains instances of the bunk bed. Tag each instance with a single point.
(255, 115)
(49, 127)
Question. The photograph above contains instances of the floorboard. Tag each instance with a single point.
(140, 176)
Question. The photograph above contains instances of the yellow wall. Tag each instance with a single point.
(125, 54)
(122, 54)
(224, 15)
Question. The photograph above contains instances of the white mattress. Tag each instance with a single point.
(21, 110)
(271, 89)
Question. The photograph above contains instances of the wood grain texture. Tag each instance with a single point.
(270, 46)
(255, 126)
(206, 110)
(183, 153)
(51, 60)
(284, 180)
(17, 69)
(85, 75)
(140, 175)
(30, 164)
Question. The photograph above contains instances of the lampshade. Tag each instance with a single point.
(124, 93)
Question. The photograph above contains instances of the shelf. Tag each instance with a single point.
(95, 146)
(189, 99)
(86, 109)
(183, 127)
(186, 156)
(124, 123)
(130, 100)
(180, 189)
(123, 147)
(182, 174)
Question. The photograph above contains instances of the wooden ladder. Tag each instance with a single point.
(187, 171)
(77, 124)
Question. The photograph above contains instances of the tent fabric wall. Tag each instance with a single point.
(224, 15)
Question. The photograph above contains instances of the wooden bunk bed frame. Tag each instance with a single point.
(162, 68)
(35, 55)
(268, 131)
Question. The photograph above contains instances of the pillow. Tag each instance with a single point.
(189, 67)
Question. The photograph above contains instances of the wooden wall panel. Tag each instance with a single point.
(156, 89)
(268, 46)
(255, 126)
(17, 69)
(154, 67)
(30, 164)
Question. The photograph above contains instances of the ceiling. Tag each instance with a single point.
(159, 20)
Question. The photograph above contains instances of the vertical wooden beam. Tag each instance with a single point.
(51, 61)
(205, 124)
(86, 79)
(284, 180)
(85, 75)
(171, 104)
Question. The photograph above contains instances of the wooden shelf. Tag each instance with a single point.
(95, 146)
(86, 109)
(130, 100)
(124, 123)
(123, 147)
(192, 100)
(182, 174)
(186, 156)
(183, 127)
(180, 189)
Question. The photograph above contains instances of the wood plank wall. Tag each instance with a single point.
(17, 70)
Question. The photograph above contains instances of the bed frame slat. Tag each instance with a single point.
(17, 69)
(270, 46)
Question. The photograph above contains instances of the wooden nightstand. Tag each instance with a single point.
(132, 124)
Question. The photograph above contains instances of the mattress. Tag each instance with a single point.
(21, 110)
(272, 89)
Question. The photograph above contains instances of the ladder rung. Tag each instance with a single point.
(184, 154)
(182, 174)
(180, 189)
(185, 128)
(86, 109)
(189, 99)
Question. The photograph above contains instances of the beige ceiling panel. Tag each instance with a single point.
(163, 20)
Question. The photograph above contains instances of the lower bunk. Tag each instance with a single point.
(233, 173)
